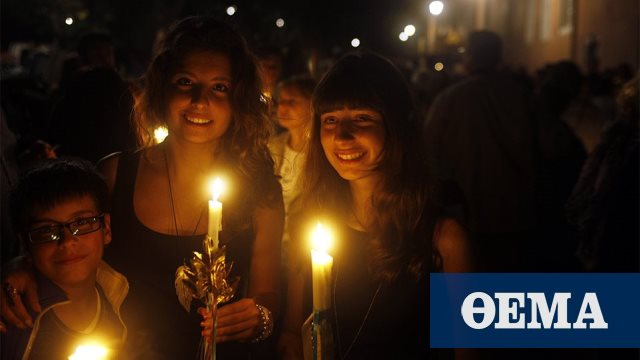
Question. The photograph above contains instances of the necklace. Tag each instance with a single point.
(364, 320)
(173, 207)
(357, 219)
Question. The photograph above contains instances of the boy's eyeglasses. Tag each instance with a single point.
(53, 232)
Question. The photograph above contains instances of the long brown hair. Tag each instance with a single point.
(403, 215)
(243, 146)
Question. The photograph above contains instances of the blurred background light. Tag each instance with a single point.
(409, 30)
(436, 7)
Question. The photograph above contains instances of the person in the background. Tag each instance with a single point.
(362, 173)
(479, 133)
(96, 50)
(8, 179)
(59, 211)
(93, 117)
(288, 149)
(270, 66)
(39, 150)
(604, 203)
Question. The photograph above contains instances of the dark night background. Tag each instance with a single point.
(325, 25)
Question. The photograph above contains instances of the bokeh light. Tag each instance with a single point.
(409, 30)
(231, 10)
(436, 7)
(280, 22)
(355, 42)
(403, 36)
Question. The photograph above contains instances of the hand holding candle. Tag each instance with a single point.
(204, 277)
(321, 263)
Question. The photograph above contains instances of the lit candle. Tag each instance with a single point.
(160, 133)
(91, 351)
(321, 263)
(215, 214)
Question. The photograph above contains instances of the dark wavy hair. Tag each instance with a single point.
(243, 146)
(404, 217)
(51, 182)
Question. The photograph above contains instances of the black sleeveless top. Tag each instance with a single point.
(159, 327)
(373, 320)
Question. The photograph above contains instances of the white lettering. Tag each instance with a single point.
(510, 316)
(558, 306)
(590, 300)
(468, 310)
(508, 310)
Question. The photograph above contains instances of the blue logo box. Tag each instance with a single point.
(534, 310)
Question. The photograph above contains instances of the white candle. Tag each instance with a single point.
(215, 213)
(321, 264)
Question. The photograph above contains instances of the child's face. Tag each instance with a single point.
(353, 141)
(294, 108)
(199, 97)
(72, 260)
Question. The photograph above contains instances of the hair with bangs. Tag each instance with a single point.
(402, 221)
(52, 182)
(244, 145)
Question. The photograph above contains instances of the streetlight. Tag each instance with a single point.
(409, 30)
(436, 7)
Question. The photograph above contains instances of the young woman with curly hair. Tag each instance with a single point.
(203, 86)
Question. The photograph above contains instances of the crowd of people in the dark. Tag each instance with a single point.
(488, 170)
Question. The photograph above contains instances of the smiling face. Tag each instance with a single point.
(73, 260)
(353, 141)
(199, 97)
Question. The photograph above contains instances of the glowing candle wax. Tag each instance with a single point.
(93, 351)
(215, 213)
(321, 263)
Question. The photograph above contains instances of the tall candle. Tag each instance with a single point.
(215, 213)
(321, 263)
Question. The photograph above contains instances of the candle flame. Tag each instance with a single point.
(321, 238)
(160, 133)
(93, 351)
(217, 186)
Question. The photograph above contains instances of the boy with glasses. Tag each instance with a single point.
(59, 212)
